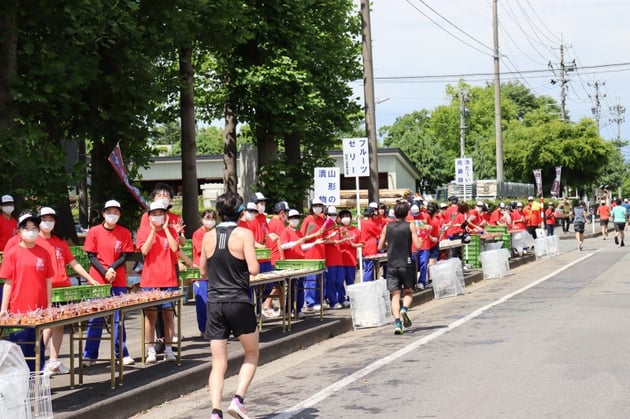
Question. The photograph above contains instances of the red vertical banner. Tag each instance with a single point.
(555, 186)
(538, 177)
(116, 160)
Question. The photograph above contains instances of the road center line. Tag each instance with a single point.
(337, 386)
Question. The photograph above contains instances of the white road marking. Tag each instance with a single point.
(334, 388)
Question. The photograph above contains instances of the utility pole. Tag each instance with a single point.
(463, 113)
(561, 78)
(497, 95)
(597, 109)
(617, 117)
(368, 93)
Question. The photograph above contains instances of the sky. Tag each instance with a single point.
(408, 47)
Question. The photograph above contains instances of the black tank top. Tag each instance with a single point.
(228, 277)
(398, 236)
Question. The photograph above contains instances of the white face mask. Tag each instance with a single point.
(29, 235)
(46, 226)
(261, 208)
(317, 210)
(346, 221)
(157, 219)
(293, 222)
(8, 209)
(111, 218)
(250, 216)
(209, 223)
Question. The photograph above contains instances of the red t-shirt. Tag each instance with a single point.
(197, 238)
(348, 252)
(518, 220)
(260, 228)
(276, 225)
(289, 234)
(159, 263)
(370, 234)
(60, 255)
(604, 212)
(12, 242)
(28, 270)
(109, 246)
(550, 216)
(333, 251)
(8, 229)
(450, 213)
(311, 224)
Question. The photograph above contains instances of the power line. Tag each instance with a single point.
(448, 32)
(543, 24)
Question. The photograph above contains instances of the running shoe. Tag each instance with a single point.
(151, 356)
(55, 368)
(128, 361)
(405, 318)
(169, 356)
(338, 306)
(398, 329)
(616, 240)
(88, 362)
(237, 410)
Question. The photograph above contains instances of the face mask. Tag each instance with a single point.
(29, 235)
(261, 208)
(47, 226)
(294, 222)
(157, 219)
(317, 210)
(111, 218)
(209, 223)
(8, 210)
(346, 221)
(250, 216)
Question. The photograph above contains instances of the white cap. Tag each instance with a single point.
(331, 210)
(47, 211)
(519, 204)
(443, 205)
(293, 213)
(479, 204)
(625, 200)
(28, 216)
(111, 204)
(530, 198)
(157, 205)
(317, 201)
(7, 199)
(501, 204)
(415, 210)
(251, 207)
(258, 196)
(373, 205)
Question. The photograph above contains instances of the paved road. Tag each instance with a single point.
(550, 340)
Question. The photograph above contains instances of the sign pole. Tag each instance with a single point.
(359, 249)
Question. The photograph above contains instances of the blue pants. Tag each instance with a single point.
(349, 274)
(95, 331)
(200, 290)
(368, 270)
(334, 285)
(311, 292)
(423, 264)
(25, 339)
(550, 228)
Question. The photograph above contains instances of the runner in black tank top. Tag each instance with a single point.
(401, 269)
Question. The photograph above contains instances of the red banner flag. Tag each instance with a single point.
(116, 160)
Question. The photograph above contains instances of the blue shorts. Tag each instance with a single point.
(169, 305)
(434, 252)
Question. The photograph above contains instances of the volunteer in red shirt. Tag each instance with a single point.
(370, 234)
(27, 272)
(351, 242)
(314, 223)
(60, 256)
(518, 219)
(8, 224)
(159, 246)
(276, 226)
(260, 228)
(550, 219)
(200, 285)
(335, 289)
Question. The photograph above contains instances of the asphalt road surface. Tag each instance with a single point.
(550, 340)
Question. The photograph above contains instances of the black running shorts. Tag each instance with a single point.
(225, 318)
(399, 278)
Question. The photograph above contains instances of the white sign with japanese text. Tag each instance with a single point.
(356, 161)
(463, 171)
(327, 185)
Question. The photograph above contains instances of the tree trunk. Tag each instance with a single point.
(8, 62)
(230, 183)
(190, 187)
(293, 157)
(267, 149)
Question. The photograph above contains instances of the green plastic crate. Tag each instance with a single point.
(190, 273)
(263, 253)
(495, 229)
(80, 292)
(301, 264)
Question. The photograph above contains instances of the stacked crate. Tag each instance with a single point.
(81, 257)
(506, 237)
(471, 252)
